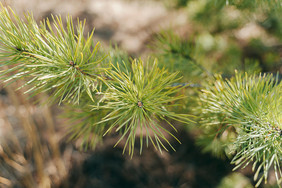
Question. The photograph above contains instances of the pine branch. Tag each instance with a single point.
(50, 57)
(139, 101)
(253, 106)
(136, 97)
(62, 61)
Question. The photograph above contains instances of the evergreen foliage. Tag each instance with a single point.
(104, 91)
(228, 106)
(58, 59)
(63, 61)
(250, 107)
(139, 100)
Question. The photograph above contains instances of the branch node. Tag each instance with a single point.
(140, 104)
(71, 63)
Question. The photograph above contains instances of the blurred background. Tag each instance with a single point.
(34, 151)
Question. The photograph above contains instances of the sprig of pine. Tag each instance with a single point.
(252, 105)
(139, 102)
(51, 57)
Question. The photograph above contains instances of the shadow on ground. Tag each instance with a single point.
(187, 167)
